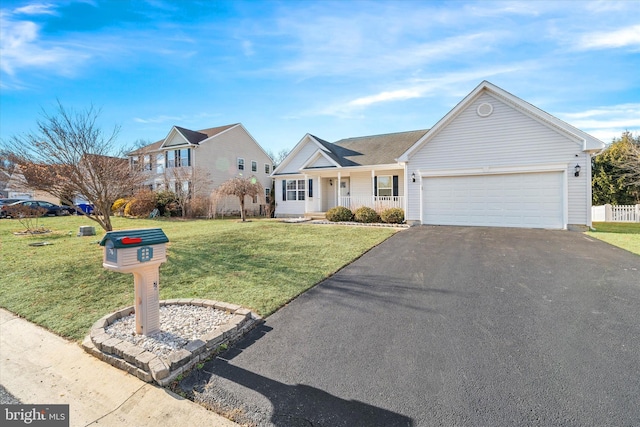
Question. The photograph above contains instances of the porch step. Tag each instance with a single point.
(315, 215)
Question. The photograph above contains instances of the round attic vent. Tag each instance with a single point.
(485, 109)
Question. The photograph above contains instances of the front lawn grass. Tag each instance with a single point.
(625, 235)
(261, 264)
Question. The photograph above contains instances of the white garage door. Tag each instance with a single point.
(532, 200)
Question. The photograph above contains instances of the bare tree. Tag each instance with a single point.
(278, 157)
(69, 155)
(187, 183)
(241, 188)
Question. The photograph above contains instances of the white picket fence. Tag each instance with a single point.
(613, 213)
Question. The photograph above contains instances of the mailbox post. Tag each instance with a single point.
(139, 252)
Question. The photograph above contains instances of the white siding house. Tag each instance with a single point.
(494, 160)
(317, 175)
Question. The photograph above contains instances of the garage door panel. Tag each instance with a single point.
(510, 200)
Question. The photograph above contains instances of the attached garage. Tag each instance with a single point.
(532, 200)
(496, 160)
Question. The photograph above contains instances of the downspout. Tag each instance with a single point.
(373, 188)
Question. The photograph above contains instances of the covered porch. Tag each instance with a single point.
(378, 190)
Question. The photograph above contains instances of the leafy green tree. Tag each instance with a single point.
(616, 172)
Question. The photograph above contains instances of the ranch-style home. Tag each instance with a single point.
(493, 160)
(198, 161)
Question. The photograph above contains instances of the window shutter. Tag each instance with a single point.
(310, 187)
(375, 185)
(284, 190)
(395, 185)
(189, 156)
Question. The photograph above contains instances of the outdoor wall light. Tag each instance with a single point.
(577, 169)
(413, 177)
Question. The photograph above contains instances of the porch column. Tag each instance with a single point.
(306, 193)
(339, 190)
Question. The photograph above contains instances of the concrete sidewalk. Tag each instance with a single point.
(39, 367)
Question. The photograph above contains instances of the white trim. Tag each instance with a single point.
(347, 169)
(565, 200)
(315, 156)
(587, 142)
(174, 129)
(308, 137)
(495, 170)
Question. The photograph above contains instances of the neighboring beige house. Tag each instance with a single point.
(493, 160)
(199, 161)
(15, 186)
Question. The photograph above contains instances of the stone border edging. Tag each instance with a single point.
(163, 370)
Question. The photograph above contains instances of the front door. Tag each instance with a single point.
(344, 193)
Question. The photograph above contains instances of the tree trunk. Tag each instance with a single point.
(242, 208)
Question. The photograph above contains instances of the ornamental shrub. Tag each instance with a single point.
(127, 207)
(166, 202)
(366, 215)
(392, 216)
(118, 206)
(142, 204)
(339, 213)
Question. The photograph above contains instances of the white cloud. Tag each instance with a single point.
(448, 85)
(36, 9)
(396, 95)
(606, 122)
(624, 37)
(21, 47)
(175, 120)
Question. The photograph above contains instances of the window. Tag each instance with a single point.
(159, 163)
(310, 187)
(177, 158)
(267, 193)
(267, 168)
(254, 166)
(386, 186)
(294, 189)
(240, 164)
(147, 162)
(184, 157)
(134, 162)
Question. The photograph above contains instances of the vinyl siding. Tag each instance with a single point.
(176, 139)
(288, 208)
(321, 162)
(507, 137)
(301, 157)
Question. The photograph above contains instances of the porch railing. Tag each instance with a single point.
(378, 203)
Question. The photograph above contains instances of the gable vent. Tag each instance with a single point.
(485, 109)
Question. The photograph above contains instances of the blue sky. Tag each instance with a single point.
(335, 69)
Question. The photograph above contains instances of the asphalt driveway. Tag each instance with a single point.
(448, 326)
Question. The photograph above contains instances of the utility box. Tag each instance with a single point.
(139, 252)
